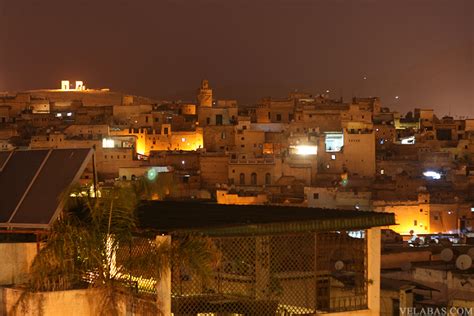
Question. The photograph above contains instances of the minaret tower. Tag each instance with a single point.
(204, 96)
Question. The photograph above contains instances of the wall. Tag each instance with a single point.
(148, 140)
(73, 302)
(219, 138)
(15, 261)
(395, 260)
(223, 197)
(249, 141)
(261, 167)
(214, 170)
(409, 215)
(207, 116)
(358, 161)
(332, 198)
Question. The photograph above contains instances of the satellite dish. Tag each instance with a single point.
(470, 253)
(339, 265)
(463, 262)
(447, 254)
(406, 266)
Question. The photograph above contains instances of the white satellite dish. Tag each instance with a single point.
(339, 265)
(405, 266)
(447, 254)
(463, 262)
(470, 252)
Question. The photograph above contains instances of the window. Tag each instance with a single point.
(242, 179)
(315, 196)
(253, 178)
(278, 117)
(334, 142)
(415, 222)
(208, 120)
(333, 157)
(436, 217)
(219, 119)
(165, 131)
(223, 135)
(268, 178)
(421, 210)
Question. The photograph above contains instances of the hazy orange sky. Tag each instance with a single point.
(420, 50)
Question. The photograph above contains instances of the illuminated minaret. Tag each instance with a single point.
(204, 96)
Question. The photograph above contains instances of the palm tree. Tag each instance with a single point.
(82, 247)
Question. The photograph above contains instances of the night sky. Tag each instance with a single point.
(421, 51)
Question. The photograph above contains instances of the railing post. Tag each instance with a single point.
(163, 285)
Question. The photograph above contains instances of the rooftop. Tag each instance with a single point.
(225, 220)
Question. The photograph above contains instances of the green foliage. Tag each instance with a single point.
(81, 248)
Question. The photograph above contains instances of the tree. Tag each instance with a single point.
(81, 249)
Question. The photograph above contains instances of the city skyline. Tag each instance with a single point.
(160, 49)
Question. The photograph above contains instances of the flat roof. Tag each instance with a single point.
(229, 220)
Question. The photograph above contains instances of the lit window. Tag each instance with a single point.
(107, 143)
(305, 150)
(432, 174)
(382, 171)
(333, 157)
(183, 139)
(334, 142)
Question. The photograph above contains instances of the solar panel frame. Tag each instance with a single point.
(15, 178)
(41, 203)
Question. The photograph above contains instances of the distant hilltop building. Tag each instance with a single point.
(66, 86)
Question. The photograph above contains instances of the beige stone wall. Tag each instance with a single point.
(323, 197)
(247, 168)
(160, 140)
(214, 170)
(223, 197)
(219, 138)
(208, 115)
(83, 130)
(409, 215)
(357, 161)
(15, 261)
(59, 303)
(249, 141)
(396, 260)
